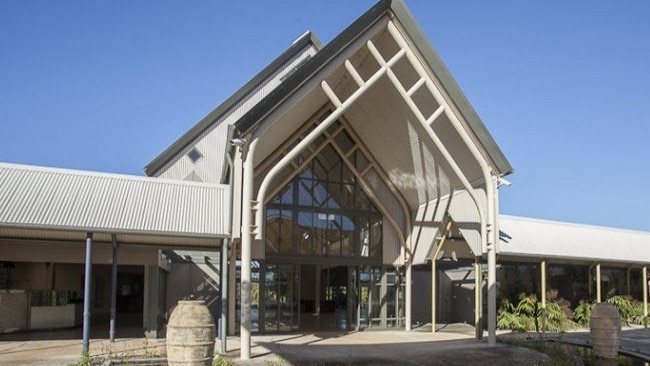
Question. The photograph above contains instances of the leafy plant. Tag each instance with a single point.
(221, 361)
(623, 306)
(529, 315)
(637, 315)
(521, 318)
(556, 320)
(84, 360)
(582, 313)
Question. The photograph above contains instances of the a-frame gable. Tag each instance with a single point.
(403, 16)
(208, 138)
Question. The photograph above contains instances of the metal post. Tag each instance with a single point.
(111, 331)
(590, 280)
(223, 284)
(318, 290)
(434, 281)
(248, 205)
(232, 288)
(433, 293)
(543, 275)
(409, 293)
(477, 299)
(598, 293)
(492, 235)
(354, 296)
(223, 266)
(492, 295)
(87, 293)
(629, 285)
(645, 295)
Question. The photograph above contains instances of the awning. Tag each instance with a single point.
(59, 204)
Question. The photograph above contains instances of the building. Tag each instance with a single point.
(330, 185)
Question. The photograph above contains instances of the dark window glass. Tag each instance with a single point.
(323, 211)
(194, 155)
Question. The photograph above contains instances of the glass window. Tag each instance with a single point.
(194, 155)
(323, 211)
(278, 230)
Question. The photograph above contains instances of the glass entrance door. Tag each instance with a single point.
(280, 297)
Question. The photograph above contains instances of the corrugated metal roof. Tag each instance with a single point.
(60, 199)
(537, 239)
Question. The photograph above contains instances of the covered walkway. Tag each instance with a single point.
(58, 226)
(595, 248)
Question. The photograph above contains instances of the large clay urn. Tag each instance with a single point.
(190, 335)
(605, 330)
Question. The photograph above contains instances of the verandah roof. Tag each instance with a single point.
(61, 204)
(526, 239)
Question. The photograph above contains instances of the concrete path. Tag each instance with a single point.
(455, 346)
(384, 348)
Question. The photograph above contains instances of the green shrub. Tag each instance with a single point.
(623, 306)
(528, 315)
(582, 313)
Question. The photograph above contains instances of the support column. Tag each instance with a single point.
(477, 299)
(151, 308)
(246, 244)
(383, 292)
(111, 331)
(409, 293)
(434, 289)
(87, 293)
(232, 288)
(590, 279)
(629, 284)
(223, 289)
(318, 290)
(354, 297)
(598, 293)
(644, 274)
(492, 295)
(492, 238)
(434, 275)
(543, 278)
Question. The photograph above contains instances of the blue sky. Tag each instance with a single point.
(564, 87)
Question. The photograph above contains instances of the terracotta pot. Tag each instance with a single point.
(190, 335)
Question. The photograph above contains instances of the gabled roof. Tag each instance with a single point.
(524, 238)
(156, 164)
(406, 19)
(51, 203)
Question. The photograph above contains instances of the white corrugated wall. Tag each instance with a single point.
(212, 142)
(465, 214)
(428, 219)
